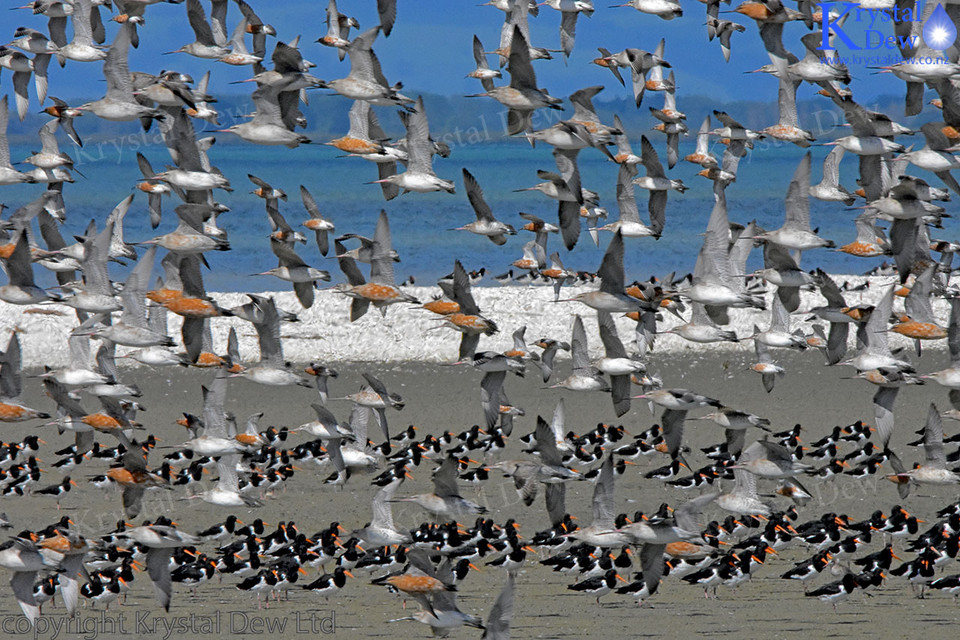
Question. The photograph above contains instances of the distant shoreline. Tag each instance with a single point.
(450, 113)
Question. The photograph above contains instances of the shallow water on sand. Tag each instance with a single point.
(440, 398)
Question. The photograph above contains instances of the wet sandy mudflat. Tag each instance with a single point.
(440, 398)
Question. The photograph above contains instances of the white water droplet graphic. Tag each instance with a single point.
(938, 31)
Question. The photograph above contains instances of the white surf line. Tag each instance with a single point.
(409, 333)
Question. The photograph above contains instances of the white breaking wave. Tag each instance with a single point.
(410, 333)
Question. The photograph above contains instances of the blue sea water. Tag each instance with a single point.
(421, 223)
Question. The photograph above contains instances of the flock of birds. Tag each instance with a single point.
(428, 562)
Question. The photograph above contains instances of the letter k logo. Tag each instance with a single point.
(830, 24)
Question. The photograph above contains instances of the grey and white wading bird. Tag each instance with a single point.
(602, 531)
(445, 503)
(217, 440)
(381, 291)
(419, 175)
(271, 369)
(522, 96)
(682, 527)
(160, 541)
(550, 471)
(585, 376)
(934, 468)
(381, 531)
(486, 224)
